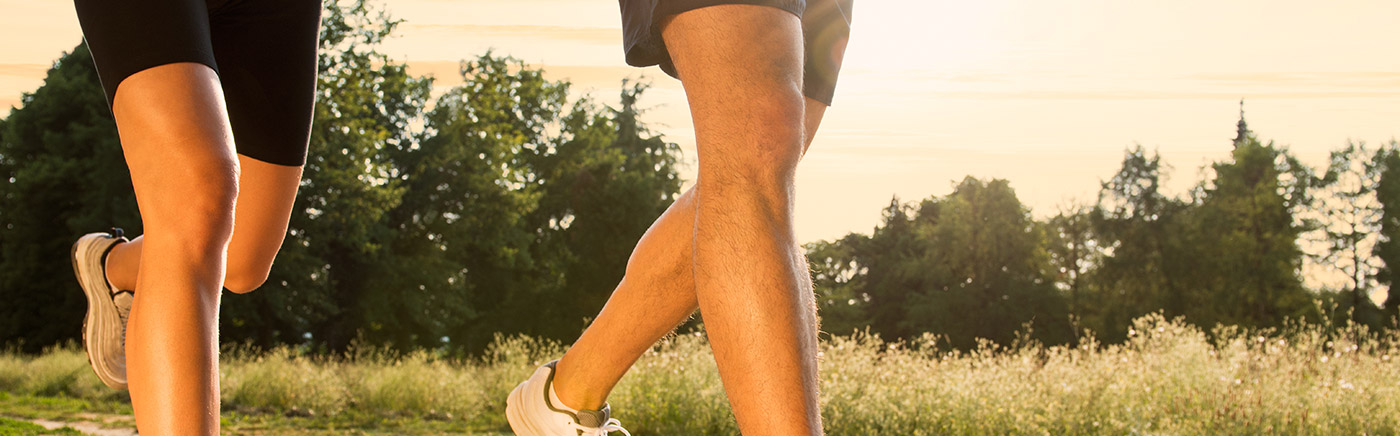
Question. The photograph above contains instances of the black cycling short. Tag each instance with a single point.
(264, 52)
(825, 26)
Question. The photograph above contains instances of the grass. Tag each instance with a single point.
(20, 428)
(1168, 379)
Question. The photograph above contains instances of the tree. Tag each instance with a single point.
(409, 227)
(1386, 164)
(1349, 223)
(839, 281)
(969, 266)
(1074, 252)
(891, 263)
(1247, 223)
(527, 203)
(472, 191)
(604, 181)
(62, 174)
(322, 283)
(1139, 231)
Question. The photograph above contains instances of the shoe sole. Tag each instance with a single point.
(518, 424)
(101, 314)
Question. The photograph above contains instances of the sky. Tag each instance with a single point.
(1044, 93)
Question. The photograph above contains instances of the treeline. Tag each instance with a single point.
(975, 265)
(502, 205)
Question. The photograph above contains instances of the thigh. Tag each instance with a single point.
(266, 194)
(130, 36)
(740, 66)
(177, 143)
(642, 20)
(266, 50)
(826, 26)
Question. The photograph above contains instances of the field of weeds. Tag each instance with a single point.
(1169, 378)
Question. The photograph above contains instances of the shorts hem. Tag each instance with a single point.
(120, 77)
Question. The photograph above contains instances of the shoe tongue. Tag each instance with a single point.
(593, 418)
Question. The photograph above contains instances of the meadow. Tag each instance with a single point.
(1169, 378)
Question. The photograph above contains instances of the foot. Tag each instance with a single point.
(104, 329)
(534, 410)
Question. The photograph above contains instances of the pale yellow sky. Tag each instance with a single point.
(1045, 93)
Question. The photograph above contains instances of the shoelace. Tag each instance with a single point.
(611, 426)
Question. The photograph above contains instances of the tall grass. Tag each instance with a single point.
(1168, 378)
(58, 371)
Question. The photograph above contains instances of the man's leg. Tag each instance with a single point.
(179, 147)
(741, 67)
(656, 295)
(748, 272)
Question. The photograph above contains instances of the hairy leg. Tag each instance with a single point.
(266, 193)
(179, 147)
(748, 273)
(741, 67)
(656, 295)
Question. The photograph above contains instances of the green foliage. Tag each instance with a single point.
(969, 266)
(1074, 251)
(1246, 227)
(411, 227)
(365, 105)
(21, 428)
(1228, 256)
(57, 371)
(61, 175)
(1145, 255)
(1348, 218)
(603, 184)
(838, 278)
(1386, 164)
(506, 206)
(986, 271)
(462, 220)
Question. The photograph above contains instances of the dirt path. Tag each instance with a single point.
(89, 425)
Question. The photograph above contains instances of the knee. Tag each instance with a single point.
(762, 173)
(766, 152)
(205, 213)
(247, 270)
(245, 279)
(191, 214)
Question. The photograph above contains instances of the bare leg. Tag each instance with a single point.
(266, 193)
(656, 295)
(179, 148)
(750, 274)
(741, 67)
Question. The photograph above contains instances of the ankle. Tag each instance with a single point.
(117, 268)
(574, 397)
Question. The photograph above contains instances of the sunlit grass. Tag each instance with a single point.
(1169, 378)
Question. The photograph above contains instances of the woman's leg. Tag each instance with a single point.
(266, 193)
(178, 145)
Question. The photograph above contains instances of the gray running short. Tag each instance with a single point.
(825, 25)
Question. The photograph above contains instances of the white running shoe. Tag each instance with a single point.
(534, 410)
(104, 329)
